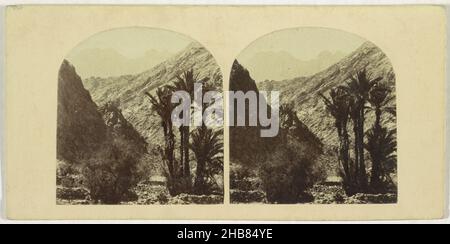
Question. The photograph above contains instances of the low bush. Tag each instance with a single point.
(240, 196)
(111, 173)
(69, 193)
(289, 173)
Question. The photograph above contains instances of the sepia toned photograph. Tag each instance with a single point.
(116, 140)
(337, 141)
(219, 114)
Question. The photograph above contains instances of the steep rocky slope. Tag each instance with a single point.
(84, 132)
(83, 127)
(304, 92)
(128, 91)
(120, 127)
(247, 147)
(80, 127)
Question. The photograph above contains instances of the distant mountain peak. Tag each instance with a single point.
(108, 62)
(194, 45)
(282, 65)
(368, 45)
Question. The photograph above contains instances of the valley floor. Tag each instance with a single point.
(145, 194)
(318, 194)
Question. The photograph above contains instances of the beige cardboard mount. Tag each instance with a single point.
(39, 37)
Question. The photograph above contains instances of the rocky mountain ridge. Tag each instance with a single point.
(128, 91)
(304, 92)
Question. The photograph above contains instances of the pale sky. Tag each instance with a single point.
(134, 41)
(125, 51)
(304, 44)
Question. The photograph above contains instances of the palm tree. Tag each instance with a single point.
(354, 116)
(382, 146)
(378, 135)
(338, 105)
(359, 87)
(207, 146)
(162, 105)
(287, 115)
(378, 98)
(186, 82)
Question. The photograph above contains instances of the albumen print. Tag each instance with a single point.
(116, 141)
(337, 140)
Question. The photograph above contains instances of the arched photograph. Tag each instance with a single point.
(116, 140)
(337, 141)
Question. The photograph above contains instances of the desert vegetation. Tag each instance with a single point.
(204, 142)
(349, 103)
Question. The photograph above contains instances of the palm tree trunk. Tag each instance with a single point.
(167, 150)
(342, 157)
(171, 147)
(181, 130)
(187, 166)
(351, 183)
(362, 166)
(199, 184)
(345, 150)
(376, 173)
(356, 150)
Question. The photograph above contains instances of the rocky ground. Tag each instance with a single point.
(147, 194)
(247, 191)
(158, 195)
(325, 194)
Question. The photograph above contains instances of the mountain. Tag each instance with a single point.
(247, 147)
(100, 62)
(80, 127)
(121, 128)
(281, 65)
(128, 91)
(304, 92)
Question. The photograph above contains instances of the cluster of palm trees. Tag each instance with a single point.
(206, 143)
(350, 103)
